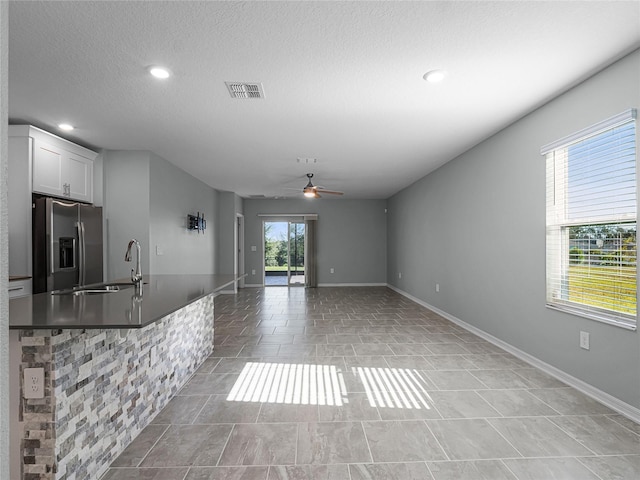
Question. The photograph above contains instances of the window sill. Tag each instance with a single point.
(627, 325)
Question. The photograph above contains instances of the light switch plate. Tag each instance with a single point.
(584, 340)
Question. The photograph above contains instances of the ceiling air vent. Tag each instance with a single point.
(245, 90)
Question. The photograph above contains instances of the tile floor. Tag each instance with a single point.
(363, 384)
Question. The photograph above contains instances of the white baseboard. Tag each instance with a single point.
(253, 285)
(610, 401)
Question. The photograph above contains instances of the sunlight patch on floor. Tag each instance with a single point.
(299, 384)
(393, 387)
(311, 384)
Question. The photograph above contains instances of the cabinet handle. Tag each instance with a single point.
(15, 289)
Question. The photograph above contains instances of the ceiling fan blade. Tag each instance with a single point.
(329, 191)
(312, 191)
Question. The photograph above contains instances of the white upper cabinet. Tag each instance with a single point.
(43, 163)
(60, 172)
(59, 168)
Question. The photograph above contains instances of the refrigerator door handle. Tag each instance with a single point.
(49, 253)
(81, 254)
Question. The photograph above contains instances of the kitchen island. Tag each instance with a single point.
(111, 362)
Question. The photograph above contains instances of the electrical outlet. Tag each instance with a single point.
(399, 274)
(331, 270)
(159, 250)
(253, 272)
(437, 287)
(254, 248)
(33, 386)
(584, 340)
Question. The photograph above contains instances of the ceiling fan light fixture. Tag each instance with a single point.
(311, 191)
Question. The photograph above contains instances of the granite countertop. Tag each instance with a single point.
(162, 295)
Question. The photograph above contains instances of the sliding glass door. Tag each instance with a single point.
(284, 253)
(296, 253)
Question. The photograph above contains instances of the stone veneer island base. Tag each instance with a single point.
(102, 387)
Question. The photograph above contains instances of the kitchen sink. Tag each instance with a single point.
(96, 289)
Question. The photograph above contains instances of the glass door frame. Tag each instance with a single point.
(293, 265)
(298, 242)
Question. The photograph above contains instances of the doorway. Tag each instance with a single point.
(284, 254)
(239, 251)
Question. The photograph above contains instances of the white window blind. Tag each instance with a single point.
(591, 222)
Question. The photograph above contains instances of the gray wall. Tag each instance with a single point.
(351, 237)
(4, 254)
(476, 226)
(173, 195)
(148, 198)
(229, 205)
(126, 208)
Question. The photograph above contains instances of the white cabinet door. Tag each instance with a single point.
(47, 169)
(78, 173)
(61, 173)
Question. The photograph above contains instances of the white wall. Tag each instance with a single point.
(173, 195)
(476, 226)
(351, 238)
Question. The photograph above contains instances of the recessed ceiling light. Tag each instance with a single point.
(65, 126)
(159, 72)
(434, 76)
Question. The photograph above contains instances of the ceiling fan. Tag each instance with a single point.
(312, 191)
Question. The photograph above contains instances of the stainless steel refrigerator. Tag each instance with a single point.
(67, 244)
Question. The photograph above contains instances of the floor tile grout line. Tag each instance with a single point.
(166, 429)
(437, 441)
(487, 421)
(543, 401)
(193, 422)
(570, 435)
(510, 470)
(366, 439)
(295, 457)
(186, 474)
(613, 417)
(587, 467)
(226, 443)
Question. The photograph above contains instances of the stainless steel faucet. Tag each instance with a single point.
(136, 277)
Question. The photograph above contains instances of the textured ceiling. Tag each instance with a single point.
(342, 80)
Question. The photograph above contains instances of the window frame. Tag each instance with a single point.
(558, 222)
